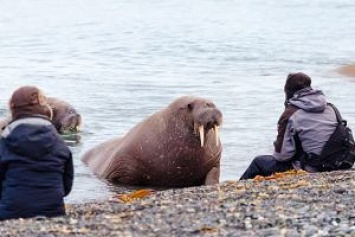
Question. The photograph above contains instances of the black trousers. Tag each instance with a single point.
(265, 165)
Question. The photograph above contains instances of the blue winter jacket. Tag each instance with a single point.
(36, 170)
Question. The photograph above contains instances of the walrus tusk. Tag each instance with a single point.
(216, 134)
(202, 135)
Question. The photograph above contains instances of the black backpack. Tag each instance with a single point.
(338, 152)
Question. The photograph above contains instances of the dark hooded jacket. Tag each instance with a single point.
(308, 115)
(36, 170)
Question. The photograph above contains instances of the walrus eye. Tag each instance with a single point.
(190, 106)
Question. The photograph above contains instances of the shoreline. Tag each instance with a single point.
(319, 204)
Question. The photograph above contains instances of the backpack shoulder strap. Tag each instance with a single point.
(338, 115)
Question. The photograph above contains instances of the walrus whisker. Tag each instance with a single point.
(202, 135)
(216, 134)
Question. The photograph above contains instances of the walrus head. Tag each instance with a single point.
(71, 123)
(205, 116)
(65, 117)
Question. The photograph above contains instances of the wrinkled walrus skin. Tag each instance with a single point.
(178, 146)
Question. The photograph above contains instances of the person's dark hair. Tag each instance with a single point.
(295, 82)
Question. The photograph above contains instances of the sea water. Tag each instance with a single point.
(119, 61)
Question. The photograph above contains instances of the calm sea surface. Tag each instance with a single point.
(119, 61)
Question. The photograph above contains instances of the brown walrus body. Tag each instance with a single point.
(175, 147)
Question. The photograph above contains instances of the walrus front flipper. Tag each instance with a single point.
(212, 177)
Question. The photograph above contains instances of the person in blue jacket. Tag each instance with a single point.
(36, 166)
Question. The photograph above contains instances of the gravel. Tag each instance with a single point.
(290, 205)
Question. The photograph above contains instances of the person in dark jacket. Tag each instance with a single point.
(36, 166)
(306, 114)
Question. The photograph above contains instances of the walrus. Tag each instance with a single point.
(178, 146)
(65, 117)
(347, 70)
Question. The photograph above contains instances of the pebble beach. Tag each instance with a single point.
(298, 204)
